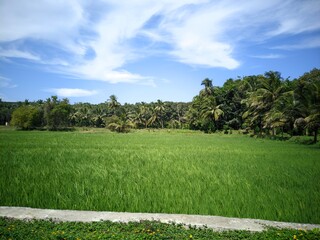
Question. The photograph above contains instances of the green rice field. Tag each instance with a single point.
(161, 172)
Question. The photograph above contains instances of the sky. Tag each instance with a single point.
(144, 50)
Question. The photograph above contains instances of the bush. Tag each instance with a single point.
(119, 124)
(26, 117)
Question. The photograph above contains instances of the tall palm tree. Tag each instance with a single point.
(208, 88)
(210, 110)
(313, 122)
(85, 115)
(120, 124)
(98, 115)
(250, 83)
(307, 98)
(271, 89)
(158, 113)
(113, 104)
(261, 101)
(283, 113)
(139, 117)
(275, 119)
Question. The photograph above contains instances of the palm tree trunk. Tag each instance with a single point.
(214, 123)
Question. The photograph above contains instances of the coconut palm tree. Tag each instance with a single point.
(307, 98)
(113, 104)
(140, 116)
(98, 115)
(283, 113)
(208, 88)
(158, 113)
(261, 101)
(210, 110)
(120, 124)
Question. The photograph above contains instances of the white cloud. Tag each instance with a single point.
(55, 21)
(199, 33)
(194, 34)
(209, 34)
(294, 17)
(93, 72)
(72, 92)
(112, 44)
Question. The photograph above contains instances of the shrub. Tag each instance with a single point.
(26, 117)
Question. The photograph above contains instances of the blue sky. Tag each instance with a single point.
(143, 50)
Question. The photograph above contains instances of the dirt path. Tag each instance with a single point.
(214, 222)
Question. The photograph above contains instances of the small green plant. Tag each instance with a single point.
(42, 229)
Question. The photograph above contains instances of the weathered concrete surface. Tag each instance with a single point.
(214, 222)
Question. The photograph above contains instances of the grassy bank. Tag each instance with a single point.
(17, 229)
(161, 171)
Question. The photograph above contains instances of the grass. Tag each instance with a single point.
(36, 229)
(162, 172)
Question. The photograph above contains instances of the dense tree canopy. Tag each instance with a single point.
(26, 117)
(265, 104)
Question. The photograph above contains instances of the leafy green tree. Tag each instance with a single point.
(231, 103)
(57, 113)
(193, 114)
(6, 109)
(26, 117)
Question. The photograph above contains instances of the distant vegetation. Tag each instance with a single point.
(264, 105)
(161, 171)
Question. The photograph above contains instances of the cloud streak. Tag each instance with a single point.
(14, 53)
(305, 44)
(6, 83)
(72, 92)
(268, 56)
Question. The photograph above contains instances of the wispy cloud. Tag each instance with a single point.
(268, 56)
(198, 45)
(6, 83)
(72, 92)
(14, 53)
(99, 38)
(304, 44)
(295, 17)
(55, 21)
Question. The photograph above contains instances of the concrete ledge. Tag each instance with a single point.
(215, 222)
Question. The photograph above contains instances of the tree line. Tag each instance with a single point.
(265, 104)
